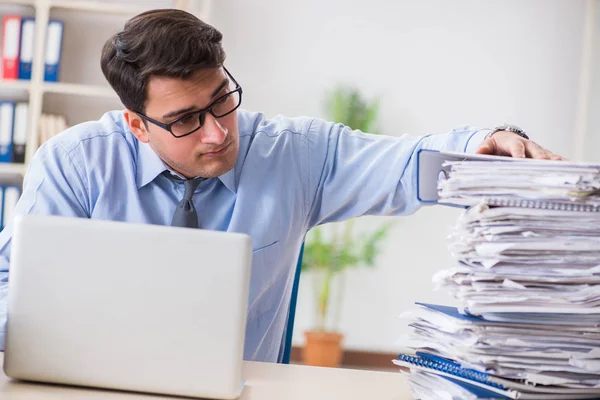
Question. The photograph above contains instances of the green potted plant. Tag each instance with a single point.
(331, 250)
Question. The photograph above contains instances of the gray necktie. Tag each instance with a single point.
(185, 213)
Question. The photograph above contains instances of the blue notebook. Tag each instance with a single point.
(480, 392)
(468, 379)
(471, 379)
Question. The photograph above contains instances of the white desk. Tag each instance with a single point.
(264, 381)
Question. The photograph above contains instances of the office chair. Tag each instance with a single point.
(289, 330)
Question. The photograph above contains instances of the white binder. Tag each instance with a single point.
(430, 169)
(11, 197)
(7, 114)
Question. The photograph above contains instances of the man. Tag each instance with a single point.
(183, 153)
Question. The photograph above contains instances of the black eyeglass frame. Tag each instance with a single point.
(201, 113)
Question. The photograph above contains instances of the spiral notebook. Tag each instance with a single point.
(485, 385)
(431, 169)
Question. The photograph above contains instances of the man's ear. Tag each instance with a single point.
(136, 126)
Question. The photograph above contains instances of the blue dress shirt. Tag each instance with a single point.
(291, 175)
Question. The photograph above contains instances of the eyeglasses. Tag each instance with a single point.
(193, 121)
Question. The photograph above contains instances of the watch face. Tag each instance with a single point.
(512, 128)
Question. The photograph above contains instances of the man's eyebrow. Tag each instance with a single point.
(220, 87)
(191, 108)
(178, 112)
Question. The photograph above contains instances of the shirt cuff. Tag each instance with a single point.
(475, 140)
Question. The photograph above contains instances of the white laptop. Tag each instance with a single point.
(125, 306)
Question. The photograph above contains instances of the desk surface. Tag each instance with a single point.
(264, 381)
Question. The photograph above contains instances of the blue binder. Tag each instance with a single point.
(27, 47)
(54, 36)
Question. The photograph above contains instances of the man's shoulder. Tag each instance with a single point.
(255, 124)
(93, 136)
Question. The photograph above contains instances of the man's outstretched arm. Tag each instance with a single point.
(354, 173)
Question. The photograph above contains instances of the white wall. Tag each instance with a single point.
(591, 140)
(436, 64)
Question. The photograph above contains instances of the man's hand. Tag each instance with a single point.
(505, 143)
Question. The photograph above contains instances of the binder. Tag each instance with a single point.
(54, 36)
(27, 46)
(501, 388)
(430, 169)
(7, 114)
(11, 33)
(20, 132)
(10, 200)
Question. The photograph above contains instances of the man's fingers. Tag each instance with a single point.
(555, 156)
(508, 144)
(517, 149)
(487, 147)
(535, 151)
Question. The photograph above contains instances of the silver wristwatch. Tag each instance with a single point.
(509, 128)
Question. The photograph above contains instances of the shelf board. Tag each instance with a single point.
(11, 170)
(97, 6)
(79, 89)
(22, 2)
(15, 84)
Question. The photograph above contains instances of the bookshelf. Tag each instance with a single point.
(41, 95)
(20, 2)
(15, 84)
(79, 89)
(97, 7)
(11, 171)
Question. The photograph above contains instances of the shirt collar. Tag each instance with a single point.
(150, 165)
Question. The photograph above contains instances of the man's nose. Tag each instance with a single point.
(212, 132)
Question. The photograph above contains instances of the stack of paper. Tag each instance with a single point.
(525, 183)
(526, 261)
(528, 281)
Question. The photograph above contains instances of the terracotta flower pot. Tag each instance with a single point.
(322, 348)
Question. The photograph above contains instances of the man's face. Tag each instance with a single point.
(208, 152)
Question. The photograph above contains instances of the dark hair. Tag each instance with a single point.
(171, 43)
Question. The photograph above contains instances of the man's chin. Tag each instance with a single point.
(214, 171)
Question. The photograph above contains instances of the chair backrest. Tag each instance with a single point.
(289, 330)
